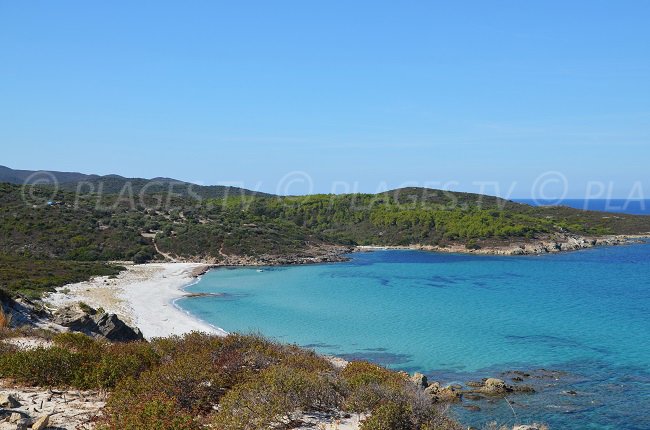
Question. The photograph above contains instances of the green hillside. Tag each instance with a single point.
(38, 222)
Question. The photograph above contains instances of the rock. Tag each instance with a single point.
(432, 389)
(475, 384)
(472, 408)
(11, 426)
(14, 417)
(8, 401)
(41, 423)
(419, 380)
(16, 421)
(494, 383)
(522, 389)
(526, 427)
(448, 394)
(494, 386)
(473, 396)
(114, 329)
(99, 325)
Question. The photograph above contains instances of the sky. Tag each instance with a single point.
(517, 98)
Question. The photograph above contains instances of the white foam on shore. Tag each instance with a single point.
(144, 295)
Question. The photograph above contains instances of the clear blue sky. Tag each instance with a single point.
(369, 93)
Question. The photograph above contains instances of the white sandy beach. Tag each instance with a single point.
(143, 296)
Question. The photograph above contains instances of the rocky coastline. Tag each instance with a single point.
(330, 253)
(546, 245)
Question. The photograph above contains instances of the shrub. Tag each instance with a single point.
(369, 385)
(42, 366)
(79, 361)
(118, 362)
(274, 397)
(394, 401)
(177, 383)
(390, 416)
(76, 342)
(158, 413)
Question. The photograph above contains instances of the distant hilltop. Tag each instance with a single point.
(72, 181)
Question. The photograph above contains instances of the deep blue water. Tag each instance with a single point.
(462, 317)
(637, 207)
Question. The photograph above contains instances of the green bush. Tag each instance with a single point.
(274, 397)
(179, 383)
(43, 366)
(77, 360)
(158, 413)
(393, 401)
(390, 416)
(369, 386)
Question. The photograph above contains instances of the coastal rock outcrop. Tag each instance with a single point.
(97, 324)
(496, 387)
(441, 394)
(419, 380)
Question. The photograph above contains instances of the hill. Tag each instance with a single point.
(40, 223)
(116, 184)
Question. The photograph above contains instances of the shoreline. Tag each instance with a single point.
(146, 295)
(143, 296)
(551, 245)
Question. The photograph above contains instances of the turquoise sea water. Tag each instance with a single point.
(462, 317)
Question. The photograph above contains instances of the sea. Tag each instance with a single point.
(574, 326)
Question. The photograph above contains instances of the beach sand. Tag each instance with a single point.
(142, 296)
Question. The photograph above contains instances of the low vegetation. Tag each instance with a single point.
(31, 277)
(237, 382)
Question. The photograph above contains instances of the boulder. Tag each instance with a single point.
(473, 408)
(12, 426)
(114, 329)
(443, 394)
(97, 324)
(41, 423)
(495, 386)
(419, 380)
(473, 396)
(19, 419)
(16, 421)
(432, 389)
(526, 427)
(8, 401)
(75, 318)
(494, 383)
(522, 389)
